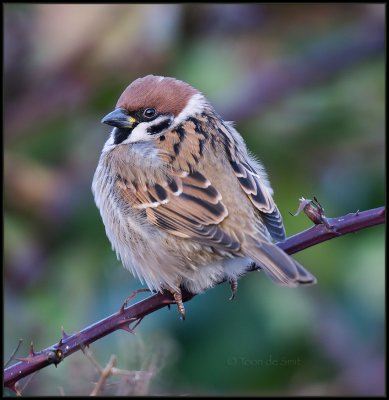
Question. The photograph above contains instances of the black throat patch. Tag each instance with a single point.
(121, 134)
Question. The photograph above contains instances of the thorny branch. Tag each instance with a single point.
(68, 344)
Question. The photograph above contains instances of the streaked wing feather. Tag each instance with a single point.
(188, 206)
(250, 182)
(274, 224)
(280, 267)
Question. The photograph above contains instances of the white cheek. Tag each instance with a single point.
(138, 134)
(196, 105)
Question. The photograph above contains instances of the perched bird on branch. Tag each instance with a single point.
(183, 202)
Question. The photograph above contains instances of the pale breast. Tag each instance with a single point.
(137, 244)
(155, 256)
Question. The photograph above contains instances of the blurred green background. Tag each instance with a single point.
(305, 85)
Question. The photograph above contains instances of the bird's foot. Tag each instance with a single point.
(178, 299)
(180, 305)
(234, 287)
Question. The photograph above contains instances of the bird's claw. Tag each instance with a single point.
(234, 287)
(180, 305)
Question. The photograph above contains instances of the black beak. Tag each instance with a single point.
(119, 118)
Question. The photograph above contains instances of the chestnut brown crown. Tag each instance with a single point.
(166, 95)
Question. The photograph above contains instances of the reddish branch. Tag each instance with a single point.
(123, 319)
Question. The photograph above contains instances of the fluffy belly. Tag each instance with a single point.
(157, 258)
(209, 275)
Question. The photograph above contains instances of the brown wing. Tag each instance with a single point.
(252, 183)
(283, 269)
(260, 196)
(187, 206)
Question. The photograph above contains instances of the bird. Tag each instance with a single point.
(184, 203)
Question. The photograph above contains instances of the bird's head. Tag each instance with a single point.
(150, 106)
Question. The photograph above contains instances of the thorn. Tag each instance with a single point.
(356, 213)
(31, 352)
(329, 227)
(63, 333)
(64, 336)
(132, 295)
(82, 347)
(17, 389)
(127, 329)
(137, 323)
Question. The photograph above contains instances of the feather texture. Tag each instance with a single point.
(252, 180)
(188, 207)
(281, 268)
(182, 199)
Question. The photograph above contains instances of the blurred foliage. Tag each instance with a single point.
(64, 68)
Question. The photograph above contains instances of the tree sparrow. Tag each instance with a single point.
(183, 202)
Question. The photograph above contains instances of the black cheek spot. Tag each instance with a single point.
(158, 128)
(162, 138)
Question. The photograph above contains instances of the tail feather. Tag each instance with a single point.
(278, 265)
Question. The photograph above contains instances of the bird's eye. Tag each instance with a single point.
(149, 112)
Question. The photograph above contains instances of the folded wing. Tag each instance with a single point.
(186, 205)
